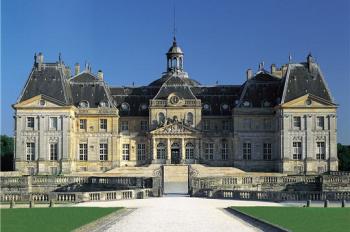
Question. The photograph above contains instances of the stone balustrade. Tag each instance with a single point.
(73, 197)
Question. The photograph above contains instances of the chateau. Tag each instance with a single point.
(282, 120)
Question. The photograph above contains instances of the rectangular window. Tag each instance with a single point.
(226, 125)
(30, 122)
(126, 152)
(124, 126)
(144, 125)
(30, 151)
(82, 124)
(297, 123)
(320, 123)
(53, 151)
(103, 124)
(224, 151)
(247, 151)
(83, 151)
(189, 151)
(209, 151)
(53, 123)
(103, 151)
(297, 152)
(321, 151)
(141, 151)
(161, 154)
(206, 125)
(267, 151)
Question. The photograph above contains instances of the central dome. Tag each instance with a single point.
(185, 80)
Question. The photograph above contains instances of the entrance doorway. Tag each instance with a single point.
(175, 156)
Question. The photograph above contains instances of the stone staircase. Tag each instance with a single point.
(175, 179)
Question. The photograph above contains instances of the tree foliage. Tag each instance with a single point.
(6, 152)
(344, 157)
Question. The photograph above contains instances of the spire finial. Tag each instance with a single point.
(174, 23)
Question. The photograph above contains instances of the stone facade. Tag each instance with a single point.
(278, 121)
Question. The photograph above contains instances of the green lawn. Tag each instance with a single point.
(50, 219)
(303, 219)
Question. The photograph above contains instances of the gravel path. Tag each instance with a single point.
(179, 213)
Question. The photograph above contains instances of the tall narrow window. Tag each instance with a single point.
(82, 124)
(297, 122)
(297, 152)
(103, 124)
(247, 151)
(320, 123)
(126, 152)
(53, 151)
(124, 126)
(206, 125)
(53, 123)
(161, 151)
(161, 118)
(83, 151)
(103, 151)
(30, 122)
(209, 151)
(143, 125)
(190, 118)
(141, 151)
(226, 125)
(321, 151)
(224, 151)
(189, 151)
(267, 151)
(30, 151)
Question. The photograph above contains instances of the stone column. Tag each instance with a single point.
(309, 143)
(183, 150)
(196, 151)
(154, 150)
(168, 154)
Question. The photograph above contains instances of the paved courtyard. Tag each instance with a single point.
(178, 213)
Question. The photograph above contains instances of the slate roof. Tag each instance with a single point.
(300, 81)
(50, 80)
(262, 90)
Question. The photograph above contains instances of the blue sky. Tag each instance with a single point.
(128, 39)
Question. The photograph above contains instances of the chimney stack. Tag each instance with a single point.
(310, 60)
(40, 60)
(249, 74)
(76, 68)
(100, 75)
(273, 68)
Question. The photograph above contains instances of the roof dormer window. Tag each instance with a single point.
(84, 104)
(246, 103)
(125, 106)
(103, 104)
(206, 107)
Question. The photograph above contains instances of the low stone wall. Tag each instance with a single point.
(75, 197)
(275, 196)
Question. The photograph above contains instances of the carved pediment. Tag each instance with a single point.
(174, 128)
(308, 101)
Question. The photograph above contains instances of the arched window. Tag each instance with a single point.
(189, 151)
(174, 63)
(161, 118)
(161, 151)
(190, 118)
